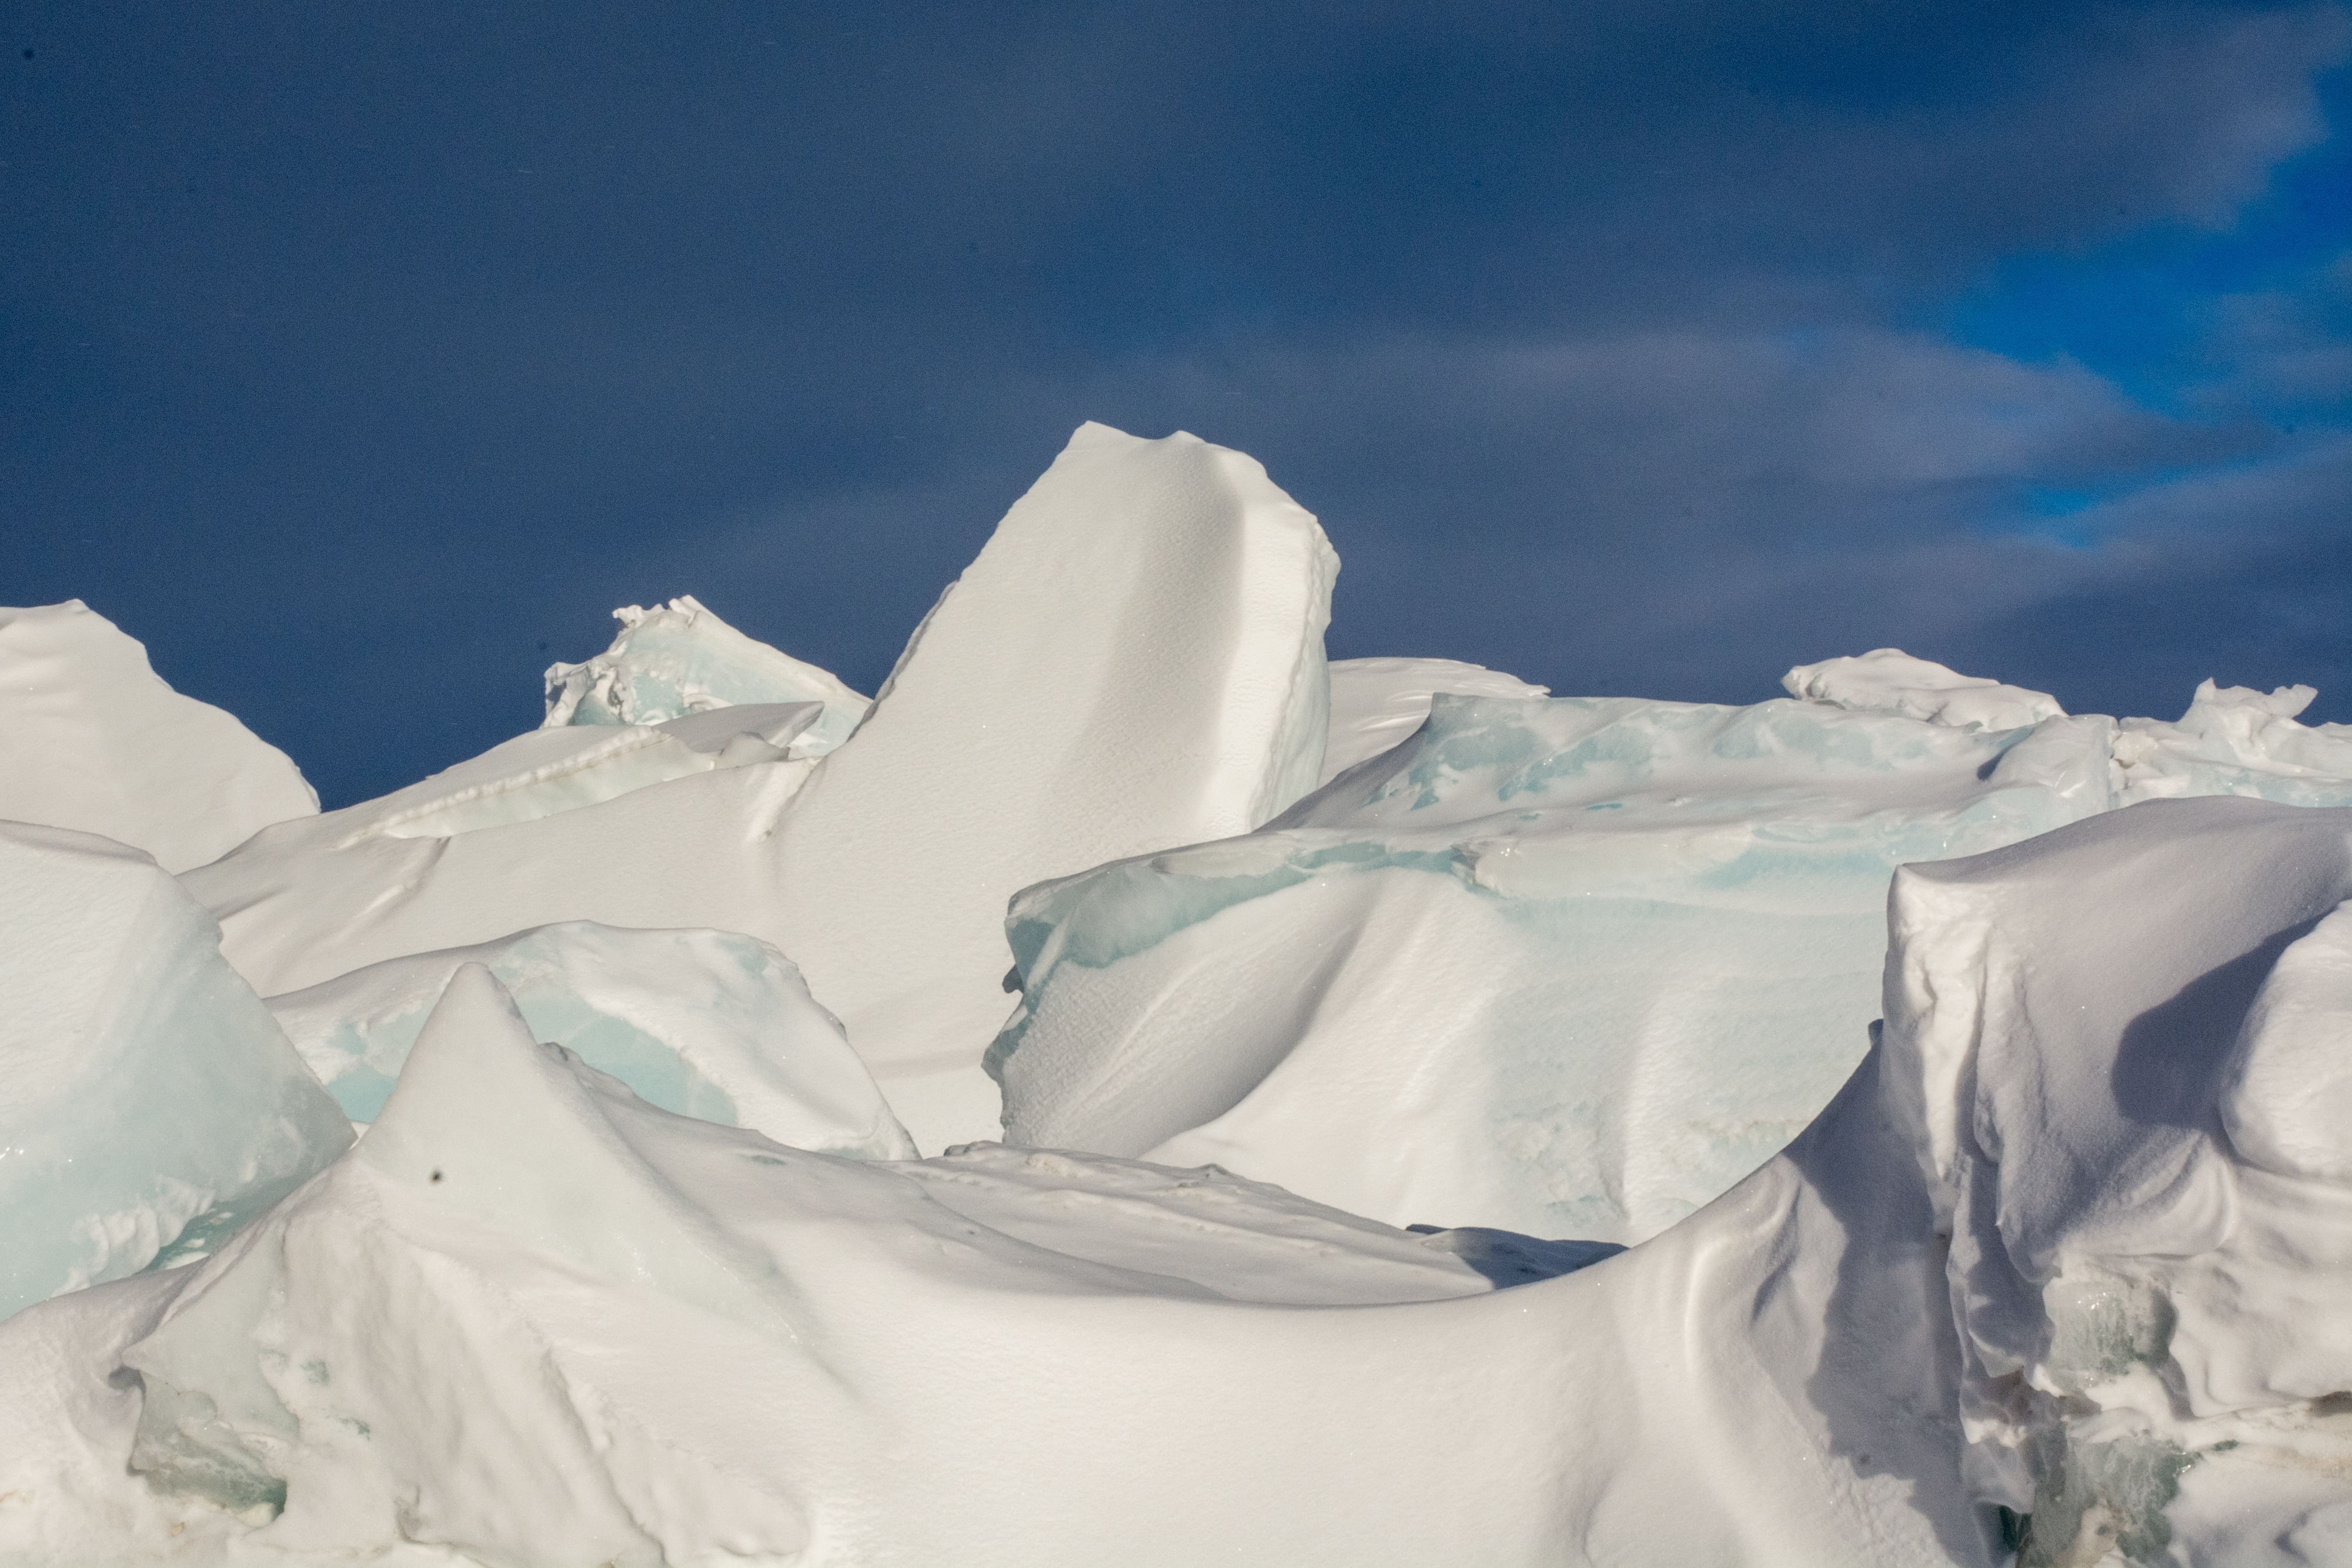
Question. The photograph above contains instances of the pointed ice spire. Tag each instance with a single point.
(526, 1136)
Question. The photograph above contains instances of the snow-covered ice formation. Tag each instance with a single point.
(2049, 1267)
(92, 738)
(1569, 967)
(707, 1024)
(148, 1103)
(679, 659)
(1134, 660)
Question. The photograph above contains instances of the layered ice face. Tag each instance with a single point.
(707, 1024)
(148, 1105)
(1572, 967)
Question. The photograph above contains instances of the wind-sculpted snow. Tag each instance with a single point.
(91, 738)
(1135, 660)
(529, 1319)
(2121, 1050)
(148, 1105)
(678, 660)
(703, 1023)
(1570, 967)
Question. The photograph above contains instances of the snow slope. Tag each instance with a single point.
(97, 741)
(1134, 660)
(147, 1101)
(596, 1333)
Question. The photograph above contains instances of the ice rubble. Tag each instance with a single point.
(148, 1105)
(679, 659)
(707, 1024)
(96, 741)
(1134, 660)
(530, 1320)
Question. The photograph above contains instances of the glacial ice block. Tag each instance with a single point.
(530, 1319)
(679, 659)
(2119, 1052)
(1572, 968)
(148, 1103)
(96, 741)
(1134, 660)
(703, 1023)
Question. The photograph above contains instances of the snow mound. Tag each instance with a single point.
(703, 1023)
(2121, 1049)
(148, 1105)
(672, 661)
(1890, 681)
(1570, 967)
(96, 741)
(530, 1318)
(1378, 703)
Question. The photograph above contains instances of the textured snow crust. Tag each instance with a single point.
(91, 738)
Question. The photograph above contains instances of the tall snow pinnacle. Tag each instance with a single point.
(1134, 662)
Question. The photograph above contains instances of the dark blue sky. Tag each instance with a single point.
(359, 358)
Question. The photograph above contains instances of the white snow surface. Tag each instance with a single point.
(95, 741)
(707, 1024)
(1134, 660)
(148, 1103)
(679, 659)
(591, 1331)
(1377, 704)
